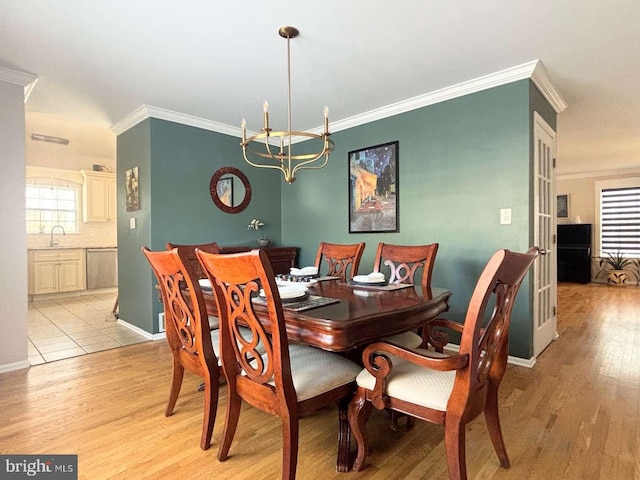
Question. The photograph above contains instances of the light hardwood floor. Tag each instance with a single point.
(575, 415)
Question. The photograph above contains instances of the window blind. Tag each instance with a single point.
(620, 220)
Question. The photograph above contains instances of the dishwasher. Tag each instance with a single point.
(102, 267)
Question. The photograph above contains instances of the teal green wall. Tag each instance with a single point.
(538, 103)
(135, 285)
(460, 162)
(176, 163)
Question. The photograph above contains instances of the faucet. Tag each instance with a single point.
(51, 242)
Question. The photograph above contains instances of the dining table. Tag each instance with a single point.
(343, 316)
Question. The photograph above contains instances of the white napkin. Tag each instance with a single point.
(374, 277)
(289, 291)
(304, 271)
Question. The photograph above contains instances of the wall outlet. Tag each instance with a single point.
(132, 222)
(505, 216)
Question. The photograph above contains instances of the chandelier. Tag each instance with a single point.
(282, 157)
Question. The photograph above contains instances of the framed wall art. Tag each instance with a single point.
(133, 194)
(562, 204)
(373, 189)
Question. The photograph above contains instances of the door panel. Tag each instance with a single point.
(545, 328)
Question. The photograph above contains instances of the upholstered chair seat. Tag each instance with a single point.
(315, 371)
(413, 383)
(405, 339)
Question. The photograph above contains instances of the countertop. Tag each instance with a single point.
(68, 247)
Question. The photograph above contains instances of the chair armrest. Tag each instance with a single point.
(437, 337)
(418, 356)
(377, 362)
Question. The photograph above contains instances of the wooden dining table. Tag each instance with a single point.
(358, 316)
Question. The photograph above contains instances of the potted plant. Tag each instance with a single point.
(256, 225)
(613, 264)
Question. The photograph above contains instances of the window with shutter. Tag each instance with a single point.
(620, 220)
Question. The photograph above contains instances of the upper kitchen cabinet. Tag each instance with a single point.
(98, 196)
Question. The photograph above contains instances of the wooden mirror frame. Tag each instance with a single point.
(213, 191)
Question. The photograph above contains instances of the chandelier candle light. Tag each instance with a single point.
(284, 159)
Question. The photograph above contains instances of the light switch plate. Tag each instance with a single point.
(132, 222)
(505, 216)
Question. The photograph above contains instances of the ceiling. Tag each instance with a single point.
(100, 61)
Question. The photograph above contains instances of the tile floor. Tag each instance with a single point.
(72, 326)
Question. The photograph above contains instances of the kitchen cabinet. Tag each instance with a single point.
(99, 196)
(56, 270)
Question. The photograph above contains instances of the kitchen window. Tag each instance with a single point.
(49, 205)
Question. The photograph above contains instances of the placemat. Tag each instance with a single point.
(327, 277)
(391, 286)
(313, 301)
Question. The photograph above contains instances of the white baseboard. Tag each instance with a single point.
(520, 362)
(144, 333)
(10, 367)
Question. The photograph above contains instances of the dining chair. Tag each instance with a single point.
(343, 259)
(188, 252)
(404, 263)
(450, 390)
(288, 380)
(193, 344)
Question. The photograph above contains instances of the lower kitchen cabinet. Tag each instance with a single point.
(56, 270)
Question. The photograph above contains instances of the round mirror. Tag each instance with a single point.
(230, 190)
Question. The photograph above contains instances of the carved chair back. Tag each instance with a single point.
(342, 260)
(404, 261)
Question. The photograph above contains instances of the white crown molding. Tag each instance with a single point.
(600, 173)
(147, 111)
(19, 77)
(541, 79)
(134, 118)
(448, 93)
(533, 70)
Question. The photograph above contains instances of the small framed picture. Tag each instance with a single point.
(562, 205)
(131, 184)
